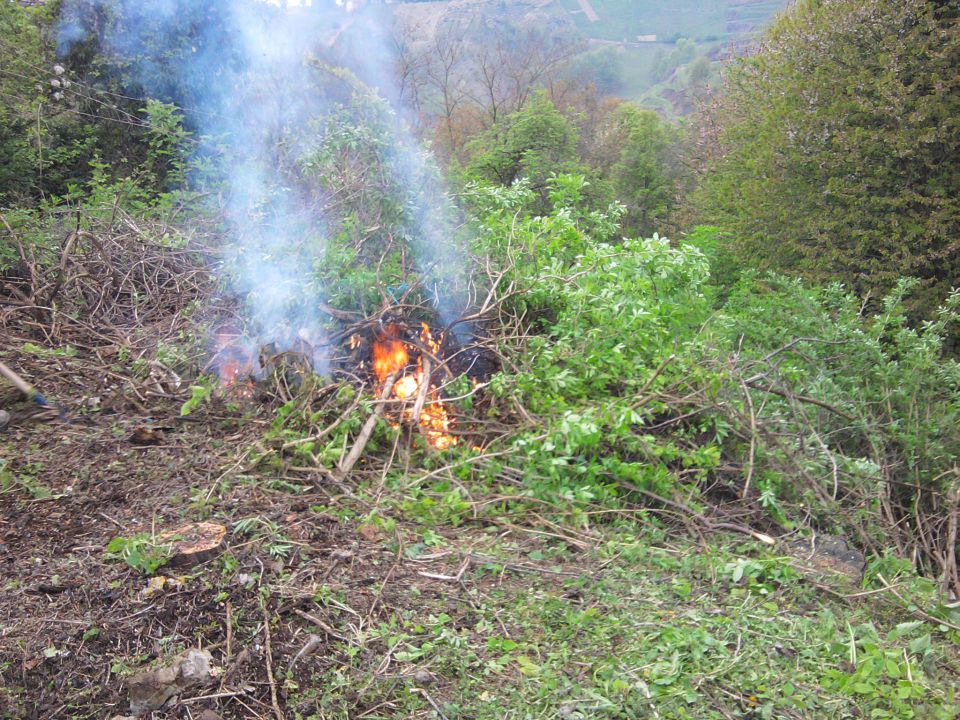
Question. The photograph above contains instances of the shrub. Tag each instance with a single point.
(834, 152)
(635, 378)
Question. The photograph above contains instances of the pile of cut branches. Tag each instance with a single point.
(96, 279)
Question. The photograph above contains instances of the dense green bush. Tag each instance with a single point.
(640, 377)
(604, 316)
(533, 143)
(45, 141)
(834, 151)
(68, 108)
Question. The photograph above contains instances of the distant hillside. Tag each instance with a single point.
(659, 53)
(702, 20)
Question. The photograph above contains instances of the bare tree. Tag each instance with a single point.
(409, 67)
(462, 79)
(445, 71)
(510, 65)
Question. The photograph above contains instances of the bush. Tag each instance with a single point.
(786, 396)
(533, 143)
(834, 152)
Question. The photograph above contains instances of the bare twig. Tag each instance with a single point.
(229, 633)
(950, 575)
(801, 398)
(751, 460)
(433, 704)
(312, 645)
(321, 624)
(644, 399)
(268, 651)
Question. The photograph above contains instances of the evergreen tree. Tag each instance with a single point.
(835, 150)
(644, 176)
(533, 143)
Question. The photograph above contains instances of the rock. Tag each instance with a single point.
(423, 677)
(4, 419)
(151, 690)
(208, 715)
(829, 554)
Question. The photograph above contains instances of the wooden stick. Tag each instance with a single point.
(268, 651)
(322, 625)
(950, 575)
(433, 703)
(229, 633)
(346, 465)
(18, 382)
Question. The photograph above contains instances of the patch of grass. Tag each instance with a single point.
(639, 64)
(67, 351)
(625, 19)
(267, 532)
(141, 552)
(643, 627)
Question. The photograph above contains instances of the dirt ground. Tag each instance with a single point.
(75, 625)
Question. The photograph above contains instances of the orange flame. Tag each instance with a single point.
(235, 365)
(390, 356)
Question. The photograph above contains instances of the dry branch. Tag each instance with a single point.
(347, 463)
(268, 655)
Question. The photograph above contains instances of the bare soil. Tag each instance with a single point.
(75, 625)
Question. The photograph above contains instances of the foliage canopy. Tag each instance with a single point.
(835, 150)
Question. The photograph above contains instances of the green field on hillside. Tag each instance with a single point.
(698, 19)
(638, 64)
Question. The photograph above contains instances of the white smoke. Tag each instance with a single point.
(246, 74)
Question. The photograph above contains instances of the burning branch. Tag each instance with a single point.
(422, 394)
(390, 355)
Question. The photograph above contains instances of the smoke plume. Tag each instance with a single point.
(256, 80)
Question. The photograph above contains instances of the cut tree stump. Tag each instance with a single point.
(194, 544)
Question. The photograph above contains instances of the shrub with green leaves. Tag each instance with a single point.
(857, 414)
(141, 552)
(835, 149)
(604, 316)
(533, 143)
(633, 379)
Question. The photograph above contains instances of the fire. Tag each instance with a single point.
(391, 357)
(406, 387)
(235, 365)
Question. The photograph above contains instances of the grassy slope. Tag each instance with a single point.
(695, 19)
(644, 624)
(623, 20)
